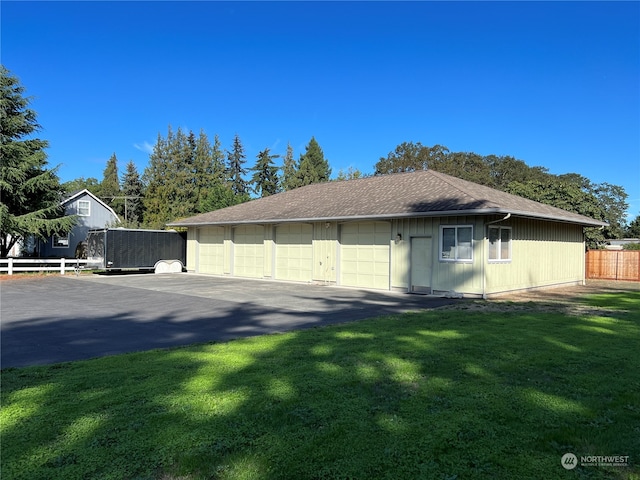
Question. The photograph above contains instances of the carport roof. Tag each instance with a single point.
(423, 193)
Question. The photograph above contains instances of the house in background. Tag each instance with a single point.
(418, 232)
(92, 213)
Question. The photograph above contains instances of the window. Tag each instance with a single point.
(60, 242)
(499, 243)
(456, 243)
(84, 208)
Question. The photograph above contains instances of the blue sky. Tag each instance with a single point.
(555, 84)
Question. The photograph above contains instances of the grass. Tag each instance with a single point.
(469, 393)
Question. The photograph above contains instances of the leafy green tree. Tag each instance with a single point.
(31, 192)
(567, 194)
(633, 229)
(407, 157)
(132, 190)
(265, 176)
(92, 184)
(313, 167)
(236, 158)
(289, 179)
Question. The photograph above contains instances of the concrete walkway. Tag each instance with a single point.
(55, 319)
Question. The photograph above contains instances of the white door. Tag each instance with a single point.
(294, 252)
(364, 254)
(421, 256)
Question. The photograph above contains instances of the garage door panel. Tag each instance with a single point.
(211, 254)
(294, 252)
(248, 256)
(365, 254)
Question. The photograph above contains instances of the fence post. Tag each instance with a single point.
(62, 266)
(10, 265)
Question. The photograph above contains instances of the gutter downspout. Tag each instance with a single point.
(484, 259)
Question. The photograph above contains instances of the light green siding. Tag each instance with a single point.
(445, 275)
(543, 254)
(192, 248)
(364, 254)
(294, 252)
(379, 254)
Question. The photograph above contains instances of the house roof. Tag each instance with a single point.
(424, 193)
(81, 193)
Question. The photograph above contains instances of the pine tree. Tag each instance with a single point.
(109, 190)
(265, 177)
(236, 159)
(31, 193)
(132, 193)
(209, 167)
(313, 167)
(289, 179)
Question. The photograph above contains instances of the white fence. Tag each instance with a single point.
(62, 265)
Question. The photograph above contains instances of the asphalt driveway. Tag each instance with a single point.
(63, 318)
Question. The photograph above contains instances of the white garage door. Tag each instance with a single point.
(364, 255)
(294, 252)
(248, 251)
(211, 253)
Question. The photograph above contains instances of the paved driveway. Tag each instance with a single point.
(57, 319)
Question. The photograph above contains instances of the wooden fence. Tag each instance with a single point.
(62, 265)
(613, 265)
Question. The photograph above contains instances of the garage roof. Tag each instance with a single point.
(422, 193)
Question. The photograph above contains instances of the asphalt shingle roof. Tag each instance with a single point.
(416, 194)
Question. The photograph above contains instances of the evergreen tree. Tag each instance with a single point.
(350, 174)
(109, 190)
(289, 179)
(31, 193)
(633, 229)
(236, 159)
(220, 195)
(313, 167)
(209, 168)
(132, 193)
(265, 177)
(169, 180)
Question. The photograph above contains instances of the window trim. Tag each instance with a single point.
(499, 245)
(54, 243)
(88, 209)
(441, 241)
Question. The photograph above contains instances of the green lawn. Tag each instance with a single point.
(484, 390)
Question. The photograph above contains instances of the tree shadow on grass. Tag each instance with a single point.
(440, 394)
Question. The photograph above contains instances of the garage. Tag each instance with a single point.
(211, 250)
(248, 251)
(364, 254)
(294, 252)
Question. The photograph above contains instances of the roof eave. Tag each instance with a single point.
(447, 213)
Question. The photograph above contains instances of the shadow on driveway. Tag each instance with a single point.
(58, 319)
